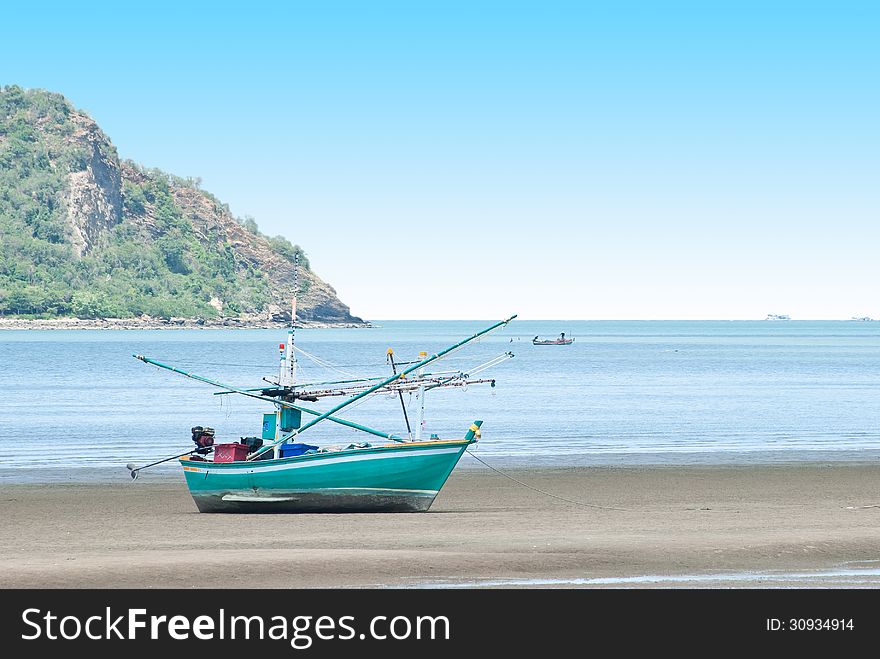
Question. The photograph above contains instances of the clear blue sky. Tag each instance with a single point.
(471, 159)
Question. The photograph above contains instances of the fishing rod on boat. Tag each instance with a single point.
(390, 358)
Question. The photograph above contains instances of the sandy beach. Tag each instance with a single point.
(483, 530)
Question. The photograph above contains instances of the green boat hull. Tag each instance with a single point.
(394, 478)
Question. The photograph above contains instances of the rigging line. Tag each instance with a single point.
(354, 406)
(376, 395)
(489, 364)
(228, 407)
(357, 404)
(555, 496)
(314, 358)
(323, 363)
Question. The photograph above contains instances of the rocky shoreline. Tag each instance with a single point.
(148, 322)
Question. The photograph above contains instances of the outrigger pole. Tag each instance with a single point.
(135, 471)
(380, 385)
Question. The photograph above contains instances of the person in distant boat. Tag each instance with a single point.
(535, 339)
(563, 336)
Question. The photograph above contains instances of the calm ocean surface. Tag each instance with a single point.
(75, 404)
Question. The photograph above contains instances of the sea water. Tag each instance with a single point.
(76, 403)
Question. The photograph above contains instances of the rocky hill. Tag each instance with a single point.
(86, 235)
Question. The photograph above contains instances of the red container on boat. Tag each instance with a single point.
(234, 452)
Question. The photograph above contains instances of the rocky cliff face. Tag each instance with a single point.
(213, 225)
(94, 195)
(85, 234)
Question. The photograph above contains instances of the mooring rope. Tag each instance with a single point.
(549, 494)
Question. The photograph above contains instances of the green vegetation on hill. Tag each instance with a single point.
(148, 260)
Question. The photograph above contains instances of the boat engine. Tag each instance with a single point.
(203, 438)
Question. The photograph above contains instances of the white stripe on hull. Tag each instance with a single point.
(318, 462)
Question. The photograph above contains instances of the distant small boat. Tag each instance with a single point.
(560, 341)
(778, 316)
(863, 319)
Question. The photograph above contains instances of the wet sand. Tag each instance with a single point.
(482, 530)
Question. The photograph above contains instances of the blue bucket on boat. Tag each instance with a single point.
(289, 450)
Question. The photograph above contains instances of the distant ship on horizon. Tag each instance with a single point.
(863, 319)
(778, 316)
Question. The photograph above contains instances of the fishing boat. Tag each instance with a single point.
(277, 473)
(559, 341)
